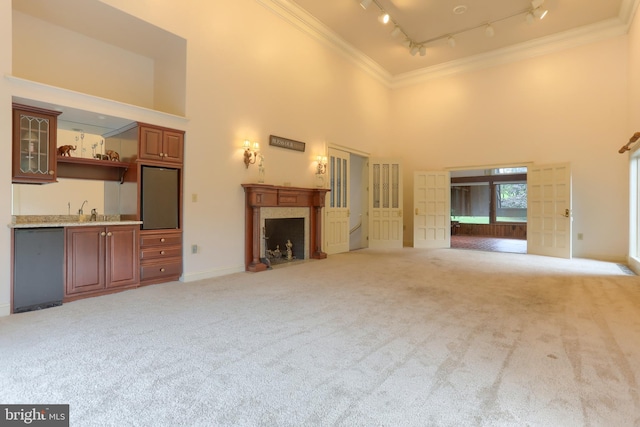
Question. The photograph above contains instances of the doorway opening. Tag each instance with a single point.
(489, 209)
(358, 180)
(346, 224)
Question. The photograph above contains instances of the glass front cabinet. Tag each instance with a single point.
(34, 144)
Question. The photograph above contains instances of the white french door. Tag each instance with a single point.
(337, 205)
(432, 210)
(549, 210)
(385, 204)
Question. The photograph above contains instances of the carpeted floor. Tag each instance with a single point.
(369, 338)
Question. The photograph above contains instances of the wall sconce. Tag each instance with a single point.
(250, 157)
(322, 164)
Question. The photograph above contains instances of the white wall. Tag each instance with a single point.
(634, 125)
(5, 161)
(634, 77)
(569, 106)
(69, 60)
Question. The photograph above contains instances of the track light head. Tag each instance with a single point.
(423, 50)
(384, 17)
(451, 41)
(489, 31)
(365, 4)
(414, 50)
(540, 13)
(536, 3)
(396, 31)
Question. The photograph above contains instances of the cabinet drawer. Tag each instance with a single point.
(147, 240)
(161, 269)
(160, 252)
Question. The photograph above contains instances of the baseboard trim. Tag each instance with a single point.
(202, 275)
(5, 310)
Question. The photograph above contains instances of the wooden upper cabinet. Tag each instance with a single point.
(161, 145)
(173, 145)
(34, 145)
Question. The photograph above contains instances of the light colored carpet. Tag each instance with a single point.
(394, 338)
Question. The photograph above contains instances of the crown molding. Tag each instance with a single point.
(310, 25)
(545, 45)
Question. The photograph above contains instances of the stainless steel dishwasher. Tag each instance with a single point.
(38, 269)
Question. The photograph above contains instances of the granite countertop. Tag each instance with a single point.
(40, 221)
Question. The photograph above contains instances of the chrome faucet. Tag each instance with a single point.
(80, 211)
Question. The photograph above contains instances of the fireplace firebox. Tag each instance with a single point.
(279, 231)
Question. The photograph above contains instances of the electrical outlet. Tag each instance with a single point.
(194, 249)
(580, 236)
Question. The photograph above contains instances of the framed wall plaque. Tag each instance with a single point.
(289, 144)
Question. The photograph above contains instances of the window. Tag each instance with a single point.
(470, 203)
(511, 202)
(490, 196)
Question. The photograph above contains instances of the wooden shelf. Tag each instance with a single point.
(104, 170)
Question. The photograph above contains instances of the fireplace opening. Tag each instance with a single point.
(277, 232)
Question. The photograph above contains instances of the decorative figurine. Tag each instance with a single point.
(65, 150)
(289, 245)
(113, 155)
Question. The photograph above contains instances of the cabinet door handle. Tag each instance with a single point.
(103, 234)
(161, 252)
(162, 240)
(109, 234)
(162, 269)
(50, 172)
(161, 154)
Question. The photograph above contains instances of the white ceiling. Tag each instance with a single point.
(434, 20)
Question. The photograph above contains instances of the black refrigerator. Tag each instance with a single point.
(38, 268)
(160, 204)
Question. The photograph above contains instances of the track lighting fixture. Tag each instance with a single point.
(536, 10)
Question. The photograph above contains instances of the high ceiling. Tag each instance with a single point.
(432, 21)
